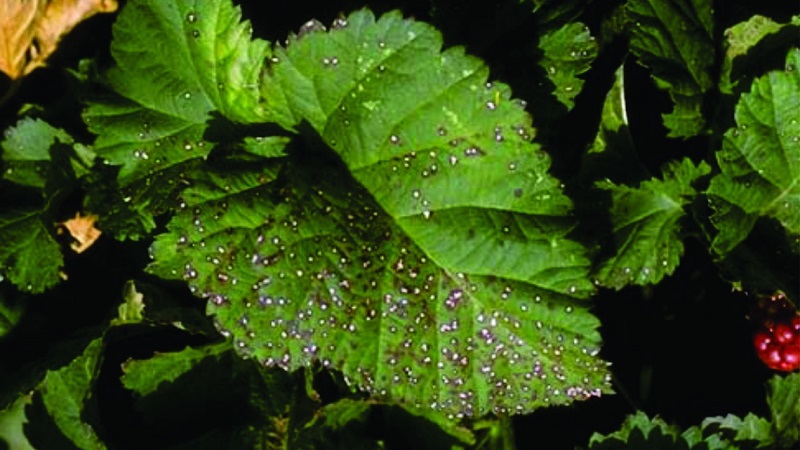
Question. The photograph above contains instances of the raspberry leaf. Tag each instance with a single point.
(760, 161)
(674, 39)
(748, 44)
(61, 398)
(568, 52)
(194, 60)
(647, 233)
(30, 257)
(784, 404)
(144, 376)
(414, 240)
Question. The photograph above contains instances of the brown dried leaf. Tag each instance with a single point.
(31, 29)
(82, 229)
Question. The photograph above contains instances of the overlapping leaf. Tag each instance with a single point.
(38, 156)
(784, 404)
(612, 154)
(144, 376)
(194, 59)
(26, 151)
(748, 44)
(760, 161)
(63, 393)
(436, 273)
(646, 224)
(716, 433)
(674, 39)
(30, 31)
(568, 52)
(30, 257)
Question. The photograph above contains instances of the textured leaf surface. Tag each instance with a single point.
(744, 51)
(639, 432)
(568, 52)
(751, 428)
(436, 274)
(144, 376)
(674, 38)
(193, 60)
(64, 392)
(760, 161)
(647, 232)
(784, 404)
(29, 257)
(26, 151)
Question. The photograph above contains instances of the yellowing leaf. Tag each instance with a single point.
(30, 30)
(82, 229)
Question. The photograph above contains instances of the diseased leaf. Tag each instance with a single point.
(30, 30)
(64, 392)
(144, 376)
(29, 257)
(648, 240)
(674, 38)
(82, 230)
(760, 161)
(194, 59)
(436, 273)
(568, 52)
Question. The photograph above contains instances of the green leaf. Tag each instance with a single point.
(674, 38)
(144, 376)
(132, 308)
(439, 277)
(784, 404)
(26, 151)
(745, 50)
(266, 147)
(340, 414)
(64, 392)
(568, 52)
(12, 307)
(12, 420)
(641, 433)
(29, 257)
(194, 59)
(648, 239)
(612, 154)
(751, 428)
(695, 438)
(760, 161)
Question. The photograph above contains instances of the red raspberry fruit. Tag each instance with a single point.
(779, 345)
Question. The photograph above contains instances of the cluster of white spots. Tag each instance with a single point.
(322, 287)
